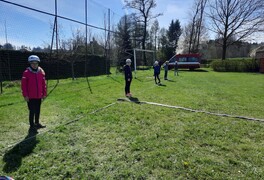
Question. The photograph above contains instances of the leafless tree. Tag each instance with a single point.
(153, 32)
(195, 27)
(144, 14)
(235, 20)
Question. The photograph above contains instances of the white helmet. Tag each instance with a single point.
(33, 58)
(128, 61)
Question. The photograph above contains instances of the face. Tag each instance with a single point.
(34, 64)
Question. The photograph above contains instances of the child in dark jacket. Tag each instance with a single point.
(33, 86)
(128, 77)
(166, 69)
(156, 67)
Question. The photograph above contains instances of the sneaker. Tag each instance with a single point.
(39, 126)
(129, 94)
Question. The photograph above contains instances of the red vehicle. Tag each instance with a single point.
(189, 61)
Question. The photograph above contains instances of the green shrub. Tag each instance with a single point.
(235, 65)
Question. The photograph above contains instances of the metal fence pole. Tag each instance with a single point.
(1, 76)
(86, 46)
(57, 45)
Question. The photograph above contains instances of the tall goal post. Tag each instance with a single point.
(135, 57)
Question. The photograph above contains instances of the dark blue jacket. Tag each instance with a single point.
(128, 72)
(156, 69)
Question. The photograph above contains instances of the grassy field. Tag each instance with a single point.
(91, 135)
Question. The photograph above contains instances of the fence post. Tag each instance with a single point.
(260, 57)
(1, 76)
(261, 66)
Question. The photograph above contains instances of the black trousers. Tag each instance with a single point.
(165, 75)
(157, 77)
(34, 111)
(127, 87)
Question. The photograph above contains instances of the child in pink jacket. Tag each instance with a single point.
(34, 90)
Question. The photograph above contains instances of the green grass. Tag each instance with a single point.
(138, 141)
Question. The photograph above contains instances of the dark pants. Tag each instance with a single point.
(157, 77)
(176, 72)
(165, 74)
(127, 87)
(34, 110)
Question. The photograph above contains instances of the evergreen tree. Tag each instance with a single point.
(123, 39)
(173, 34)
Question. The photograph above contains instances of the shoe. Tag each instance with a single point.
(39, 126)
(129, 94)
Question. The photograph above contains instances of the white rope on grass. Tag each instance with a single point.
(67, 123)
(192, 110)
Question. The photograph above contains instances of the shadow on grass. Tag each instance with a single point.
(129, 99)
(88, 83)
(13, 158)
(196, 70)
(53, 88)
(161, 84)
(10, 104)
(134, 99)
(170, 80)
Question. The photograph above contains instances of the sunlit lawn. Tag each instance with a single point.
(91, 135)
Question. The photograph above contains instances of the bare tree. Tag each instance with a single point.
(195, 27)
(144, 15)
(153, 34)
(235, 20)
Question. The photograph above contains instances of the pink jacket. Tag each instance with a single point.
(33, 84)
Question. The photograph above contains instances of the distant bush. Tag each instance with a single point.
(235, 65)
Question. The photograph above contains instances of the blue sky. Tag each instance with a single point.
(26, 27)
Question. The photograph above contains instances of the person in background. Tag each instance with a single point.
(34, 90)
(176, 69)
(156, 68)
(166, 69)
(128, 77)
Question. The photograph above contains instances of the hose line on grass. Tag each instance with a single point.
(191, 110)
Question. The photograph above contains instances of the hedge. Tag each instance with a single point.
(13, 63)
(235, 65)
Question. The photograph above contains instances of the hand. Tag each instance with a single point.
(128, 79)
(26, 98)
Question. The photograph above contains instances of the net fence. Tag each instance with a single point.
(72, 38)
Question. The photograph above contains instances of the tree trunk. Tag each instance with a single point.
(224, 46)
(72, 68)
(144, 40)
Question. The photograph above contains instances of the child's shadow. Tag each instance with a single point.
(13, 157)
(134, 99)
(161, 84)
